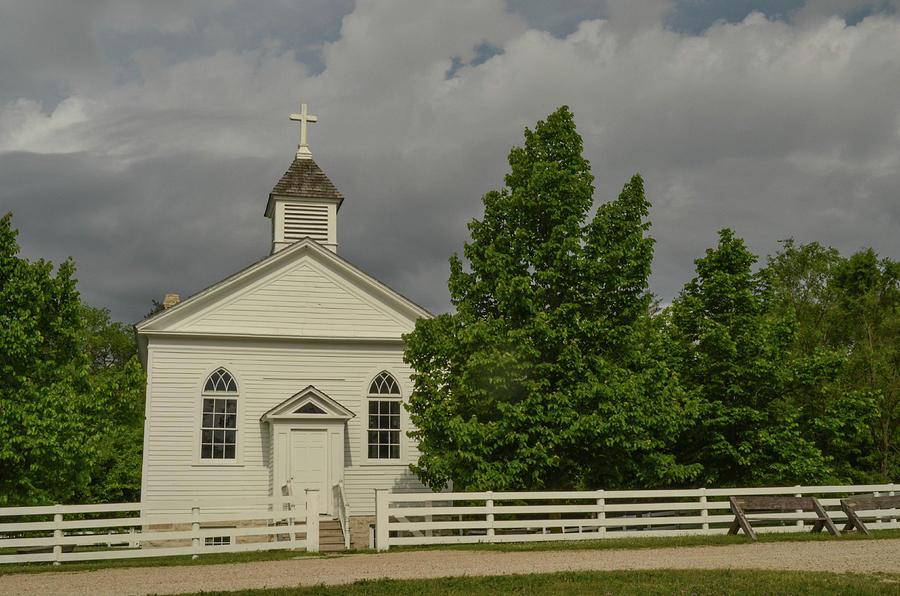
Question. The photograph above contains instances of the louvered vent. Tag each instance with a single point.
(306, 220)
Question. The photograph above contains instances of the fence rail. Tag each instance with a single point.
(220, 525)
(468, 517)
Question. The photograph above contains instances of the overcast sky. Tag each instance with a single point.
(142, 138)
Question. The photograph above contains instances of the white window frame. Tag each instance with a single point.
(198, 459)
(383, 397)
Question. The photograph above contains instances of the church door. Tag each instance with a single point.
(309, 464)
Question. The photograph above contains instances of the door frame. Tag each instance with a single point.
(326, 415)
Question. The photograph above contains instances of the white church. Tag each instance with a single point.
(285, 376)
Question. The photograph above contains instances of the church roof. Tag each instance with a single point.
(306, 180)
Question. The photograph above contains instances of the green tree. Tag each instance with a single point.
(835, 416)
(544, 377)
(107, 343)
(44, 413)
(848, 325)
(868, 327)
(71, 389)
(116, 384)
(735, 352)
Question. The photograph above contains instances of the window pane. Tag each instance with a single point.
(207, 436)
(384, 451)
(207, 420)
(230, 421)
(210, 386)
(383, 437)
(229, 437)
(219, 436)
(208, 405)
(219, 421)
(218, 451)
(206, 451)
(231, 406)
(373, 452)
(220, 406)
(395, 407)
(373, 421)
(373, 437)
(373, 407)
(395, 451)
(395, 421)
(395, 438)
(229, 451)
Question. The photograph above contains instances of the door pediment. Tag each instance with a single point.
(308, 404)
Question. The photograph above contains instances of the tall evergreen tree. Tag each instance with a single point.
(544, 375)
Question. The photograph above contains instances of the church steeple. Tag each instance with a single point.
(304, 203)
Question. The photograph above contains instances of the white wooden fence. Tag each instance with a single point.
(448, 518)
(120, 531)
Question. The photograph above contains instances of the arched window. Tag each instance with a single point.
(218, 427)
(384, 417)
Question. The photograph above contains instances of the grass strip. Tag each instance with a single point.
(600, 583)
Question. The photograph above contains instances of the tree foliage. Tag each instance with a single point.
(63, 385)
(735, 353)
(545, 376)
(847, 314)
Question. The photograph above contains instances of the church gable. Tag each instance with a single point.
(307, 404)
(303, 291)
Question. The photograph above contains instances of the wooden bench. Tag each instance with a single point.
(740, 506)
(853, 504)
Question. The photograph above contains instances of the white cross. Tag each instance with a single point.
(303, 117)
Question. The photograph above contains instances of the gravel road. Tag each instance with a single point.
(862, 556)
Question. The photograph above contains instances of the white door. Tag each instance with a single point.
(309, 464)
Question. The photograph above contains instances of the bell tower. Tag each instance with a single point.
(304, 203)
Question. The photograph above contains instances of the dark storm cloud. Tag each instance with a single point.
(164, 225)
(153, 164)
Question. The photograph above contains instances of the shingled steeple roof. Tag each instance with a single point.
(304, 203)
(306, 180)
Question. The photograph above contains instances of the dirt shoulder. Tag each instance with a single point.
(864, 556)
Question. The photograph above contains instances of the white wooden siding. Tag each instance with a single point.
(267, 373)
(306, 299)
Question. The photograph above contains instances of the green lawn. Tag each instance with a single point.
(668, 582)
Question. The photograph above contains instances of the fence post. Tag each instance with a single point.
(57, 533)
(704, 513)
(381, 519)
(292, 513)
(878, 521)
(799, 521)
(195, 530)
(312, 520)
(489, 504)
(601, 514)
(892, 492)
